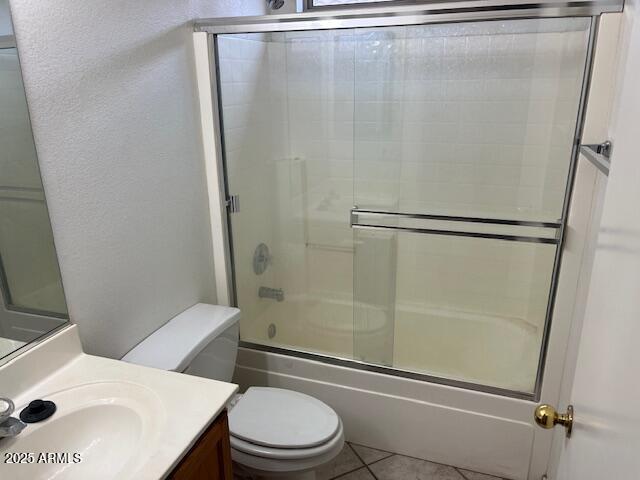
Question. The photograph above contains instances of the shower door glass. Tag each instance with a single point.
(465, 123)
(401, 190)
(287, 108)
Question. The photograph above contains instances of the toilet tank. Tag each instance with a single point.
(201, 341)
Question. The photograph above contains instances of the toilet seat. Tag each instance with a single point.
(276, 418)
(288, 453)
(308, 431)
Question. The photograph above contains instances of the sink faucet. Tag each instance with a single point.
(9, 426)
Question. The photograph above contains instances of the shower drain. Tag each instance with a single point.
(271, 331)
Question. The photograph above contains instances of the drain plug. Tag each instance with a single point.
(37, 411)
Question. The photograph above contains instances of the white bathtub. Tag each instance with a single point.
(487, 350)
(456, 426)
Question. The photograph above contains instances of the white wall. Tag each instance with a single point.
(112, 97)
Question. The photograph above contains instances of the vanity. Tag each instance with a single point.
(210, 457)
(113, 420)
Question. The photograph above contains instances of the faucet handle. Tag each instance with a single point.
(9, 426)
(6, 408)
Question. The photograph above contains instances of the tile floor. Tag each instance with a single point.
(357, 462)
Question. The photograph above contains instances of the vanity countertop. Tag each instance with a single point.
(108, 410)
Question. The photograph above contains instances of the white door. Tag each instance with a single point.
(605, 443)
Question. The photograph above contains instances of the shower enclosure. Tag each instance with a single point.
(398, 185)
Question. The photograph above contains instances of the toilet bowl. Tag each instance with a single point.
(274, 433)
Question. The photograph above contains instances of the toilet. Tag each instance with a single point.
(275, 433)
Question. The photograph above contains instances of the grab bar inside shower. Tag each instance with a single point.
(357, 213)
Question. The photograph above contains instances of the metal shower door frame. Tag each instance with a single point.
(464, 11)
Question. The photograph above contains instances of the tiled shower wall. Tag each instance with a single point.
(467, 119)
(478, 117)
(270, 183)
(248, 141)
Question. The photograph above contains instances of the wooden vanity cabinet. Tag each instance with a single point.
(210, 457)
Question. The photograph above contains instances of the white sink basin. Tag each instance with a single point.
(123, 421)
(104, 430)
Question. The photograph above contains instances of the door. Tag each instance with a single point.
(606, 432)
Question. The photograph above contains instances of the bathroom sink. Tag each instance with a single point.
(100, 430)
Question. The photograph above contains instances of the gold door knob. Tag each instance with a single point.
(547, 417)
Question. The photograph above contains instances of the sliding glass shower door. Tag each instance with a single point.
(402, 191)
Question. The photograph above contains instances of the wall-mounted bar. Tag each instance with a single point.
(449, 218)
(329, 248)
(551, 229)
(432, 12)
(599, 155)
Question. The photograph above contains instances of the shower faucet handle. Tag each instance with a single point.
(261, 259)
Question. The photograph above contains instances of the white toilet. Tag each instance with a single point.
(275, 433)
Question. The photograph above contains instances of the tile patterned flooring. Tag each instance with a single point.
(357, 462)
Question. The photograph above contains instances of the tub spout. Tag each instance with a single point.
(273, 293)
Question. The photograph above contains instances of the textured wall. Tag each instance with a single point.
(113, 102)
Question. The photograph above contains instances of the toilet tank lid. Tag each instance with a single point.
(174, 345)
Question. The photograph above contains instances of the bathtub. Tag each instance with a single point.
(480, 349)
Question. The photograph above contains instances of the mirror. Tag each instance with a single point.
(32, 301)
